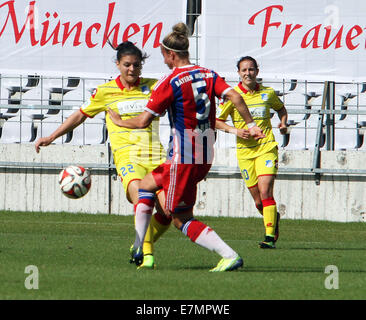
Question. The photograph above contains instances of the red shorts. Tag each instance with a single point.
(179, 182)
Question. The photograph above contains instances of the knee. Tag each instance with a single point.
(265, 194)
(180, 219)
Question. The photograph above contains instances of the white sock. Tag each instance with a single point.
(211, 240)
(142, 221)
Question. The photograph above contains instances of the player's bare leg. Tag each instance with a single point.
(254, 191)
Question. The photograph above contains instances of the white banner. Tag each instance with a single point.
(312, 40)
(68, 37)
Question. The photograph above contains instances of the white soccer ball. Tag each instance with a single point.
(75, 181)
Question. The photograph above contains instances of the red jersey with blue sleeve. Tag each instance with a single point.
(188, 94)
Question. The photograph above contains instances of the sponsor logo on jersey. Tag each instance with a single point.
(269, 163)
(145, 89)
(264, 96)
(258, 112)
(131, 106)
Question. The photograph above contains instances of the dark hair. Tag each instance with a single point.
(247, 58)
(127, 48)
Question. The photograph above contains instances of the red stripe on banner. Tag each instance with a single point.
(268, 202)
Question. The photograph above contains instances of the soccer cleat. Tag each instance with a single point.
(268, 243)
(228, 264)
(148, 262)
(131, 254)
(137, 256)
(277, 231)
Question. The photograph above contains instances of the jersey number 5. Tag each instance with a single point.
(202, 100)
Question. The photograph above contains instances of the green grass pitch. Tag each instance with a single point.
(85, 256)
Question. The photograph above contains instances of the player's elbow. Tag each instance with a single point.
(219, 124)
(143, 121)
(141, 124)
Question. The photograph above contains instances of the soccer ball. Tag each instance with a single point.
(75, 181)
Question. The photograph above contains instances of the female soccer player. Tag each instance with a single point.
(135, 152)
(258, 160)
(188, 93)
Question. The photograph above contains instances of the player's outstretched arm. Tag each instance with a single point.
(242, 108)
(143, 120)
(242, 133)
(71, 122)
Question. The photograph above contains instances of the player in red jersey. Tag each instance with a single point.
(188, 93)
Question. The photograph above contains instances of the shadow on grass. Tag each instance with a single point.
(246, 268)
(293, 269)
(335, 249)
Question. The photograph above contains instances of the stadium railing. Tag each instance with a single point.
(323, 116)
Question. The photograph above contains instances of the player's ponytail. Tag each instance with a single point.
(177, 40)
(127, 48)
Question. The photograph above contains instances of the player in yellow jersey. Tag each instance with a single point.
(135, 152)
(258, 159)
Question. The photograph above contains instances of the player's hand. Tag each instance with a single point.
(283, 128)
(43, 142)
(115, 117)
(243, 133)
(256, 133)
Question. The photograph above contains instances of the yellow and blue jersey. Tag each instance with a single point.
(136, 145)
(259, 104)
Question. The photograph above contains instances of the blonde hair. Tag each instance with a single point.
(177, 40)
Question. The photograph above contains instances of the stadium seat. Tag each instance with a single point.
(302, 136)
(295, 101)
(19, 83)
(92, 131)
(296, 138)
(278, 86)
(311, 129)
(362, 107)
(36, 97)
(48, 125)
(275, 121)
(75, 98)
(91, 84)
(279, 137)
(361, 140)
(18, 130)
(346, 133)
